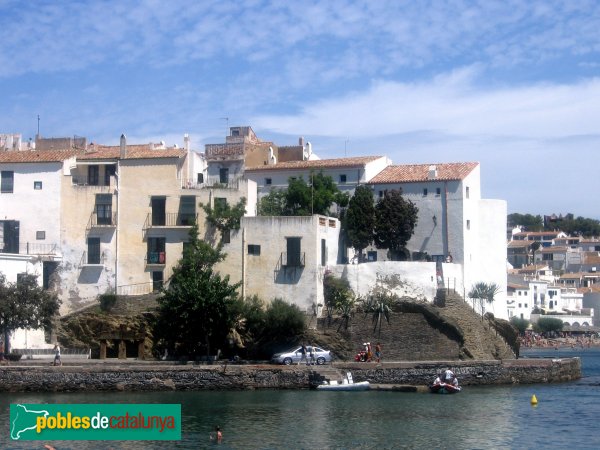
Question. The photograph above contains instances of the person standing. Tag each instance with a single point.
(57, 361)
(378, 351)
(303, 355)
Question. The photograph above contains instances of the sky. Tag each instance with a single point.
(514, 85)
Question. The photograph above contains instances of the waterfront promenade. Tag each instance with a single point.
(134, 375)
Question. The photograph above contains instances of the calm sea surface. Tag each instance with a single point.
(567, 416)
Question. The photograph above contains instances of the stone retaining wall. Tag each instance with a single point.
(231, 377)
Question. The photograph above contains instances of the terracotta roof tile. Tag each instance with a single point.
(413, 173)
(359, 161)
(133, 152)
(519, 244)
(37, 156)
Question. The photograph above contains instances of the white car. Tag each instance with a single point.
(294, 355)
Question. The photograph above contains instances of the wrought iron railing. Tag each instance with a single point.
(292, 259)
(156, 258)
(32, 248)
(171, 220)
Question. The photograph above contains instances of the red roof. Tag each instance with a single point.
(133, 152)
(359, 161)
(37, 156)
(414, 173)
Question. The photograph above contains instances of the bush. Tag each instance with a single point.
(519, 324)
(13, 356)
(107, 302)
(547, 324)
(283, 321)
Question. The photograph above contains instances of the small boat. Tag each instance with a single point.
(347, 384)
(444, 388)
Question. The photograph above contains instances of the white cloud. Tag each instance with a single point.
(453, 103)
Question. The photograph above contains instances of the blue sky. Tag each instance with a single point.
(512, 84)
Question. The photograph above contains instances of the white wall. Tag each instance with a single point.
(418, 278)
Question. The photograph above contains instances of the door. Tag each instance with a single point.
(11, 236)
(158, 211)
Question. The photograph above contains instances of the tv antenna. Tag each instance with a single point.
(226, 119)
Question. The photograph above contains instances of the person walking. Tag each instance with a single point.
(378, 352)
(57, 361)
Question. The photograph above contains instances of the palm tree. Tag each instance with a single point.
(484, 293)
(378, 304)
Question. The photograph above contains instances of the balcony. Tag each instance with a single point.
(96, 221)
(292, 259)
(92, 259)
(170, 220)
(32, 248)
(156, 258)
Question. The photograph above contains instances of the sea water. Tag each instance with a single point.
(484, 417)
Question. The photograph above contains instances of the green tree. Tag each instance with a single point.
(198, 308)
(25, 305)
(378, 304)
(273, 204)
(535, 246)
(313, 197)
(580, 226)
(549, 324)
(359, 220)
(527, 221)
(395, 221)
(520, 324)
(339, 298)
(225, 217)
(484, 293)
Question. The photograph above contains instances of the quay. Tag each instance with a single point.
(134, 375)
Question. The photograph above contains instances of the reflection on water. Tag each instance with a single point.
(478, 417)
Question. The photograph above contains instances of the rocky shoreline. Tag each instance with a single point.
(157, 376)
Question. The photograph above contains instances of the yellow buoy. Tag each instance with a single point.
(533, 400)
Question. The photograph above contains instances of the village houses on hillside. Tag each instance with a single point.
(90, 219)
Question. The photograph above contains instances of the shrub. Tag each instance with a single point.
(13, 356)
(107, 302)
(519, 324)
(283, 321)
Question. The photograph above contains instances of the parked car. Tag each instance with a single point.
(294, 355)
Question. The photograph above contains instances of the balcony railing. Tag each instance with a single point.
(102, 221)
(156, 258)
(292, 259)
(171, 220)
(32, 248)
(91, 259)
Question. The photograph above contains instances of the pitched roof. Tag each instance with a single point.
(143, 151)
(553, 249)
(519, 244)
(36, 156)
(358, 161)
(538, 233)
(413, 173)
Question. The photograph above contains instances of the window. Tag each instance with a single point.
(438, 191)
(21, 277)
(7, 181)
(104, 209)
(93, 175)
(220, 203)
(425, 192)
(372, 255)
(254, 249)
(380, 194)
(156, 250)
(93, 250)
(343, 178)
(158, 211)
(519, 292)
(268, 181)
(157, 280)
(223, 175)
(40, 235)
(37, 185)
(467, 192)
(200, 178)
(468, 224)
(323, 252)
(520, 305)
(226, 236)
(109, 171)
(294, 257)
(187, 210)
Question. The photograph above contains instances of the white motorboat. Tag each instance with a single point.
(347, 384)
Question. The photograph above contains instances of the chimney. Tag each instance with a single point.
(432, 174)
(123, 153)
(301, 141)
(186, 142)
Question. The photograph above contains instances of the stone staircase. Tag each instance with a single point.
(319, 374)
(479, 341)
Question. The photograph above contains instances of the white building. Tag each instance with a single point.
(454, 222)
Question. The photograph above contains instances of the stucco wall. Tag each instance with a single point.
(417, 279)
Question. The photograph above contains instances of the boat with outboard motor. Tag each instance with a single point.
(445, 383)
(347, 384)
